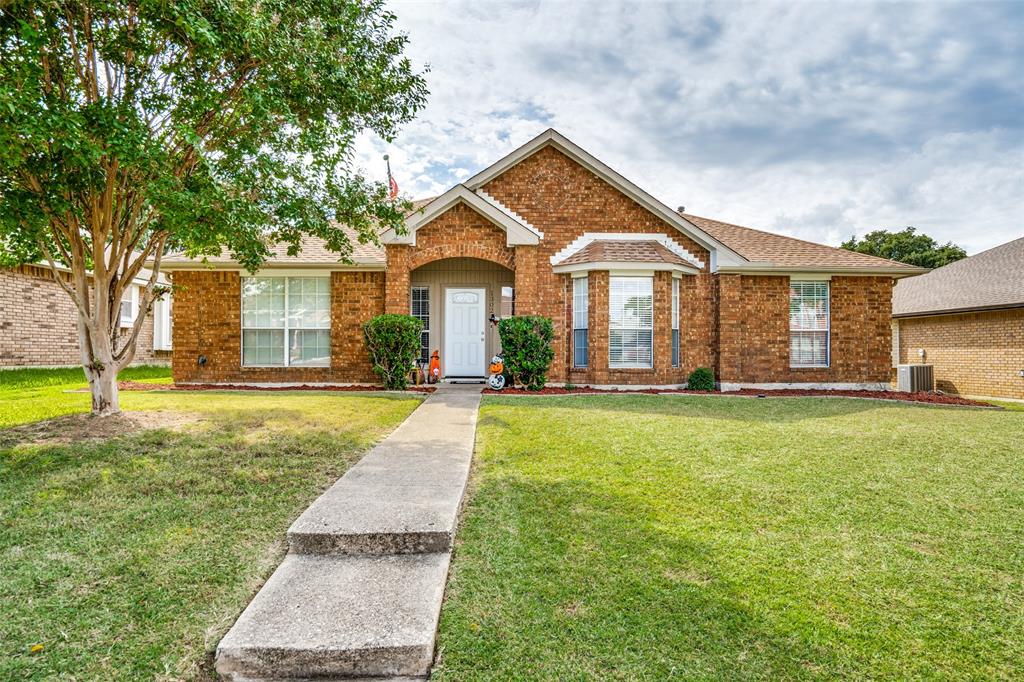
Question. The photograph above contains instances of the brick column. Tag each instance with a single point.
(663, 324)
(526, 280)
(598, 335)
(730, 329)
(396, 290)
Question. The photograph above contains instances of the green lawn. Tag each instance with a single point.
(654, 537)
(127, 558)
(28, 395)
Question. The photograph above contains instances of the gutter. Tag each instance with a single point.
(768, 269)
(960, 311)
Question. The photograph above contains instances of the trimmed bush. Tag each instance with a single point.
(701, 379)
(526, 347)
(393, 342)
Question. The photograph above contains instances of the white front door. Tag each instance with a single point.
(464, 333)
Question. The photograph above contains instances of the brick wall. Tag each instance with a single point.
(973, 353)
(754, 331)
(564, 200)
(39, 322)
(207, 322)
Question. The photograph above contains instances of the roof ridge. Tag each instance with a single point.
(795, 239)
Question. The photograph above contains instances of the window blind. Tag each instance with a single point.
(809, 324)
(631, 322)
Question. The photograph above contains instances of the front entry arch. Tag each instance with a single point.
(432, 287)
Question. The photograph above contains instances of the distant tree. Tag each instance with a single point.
(129, 127)
(906, 246)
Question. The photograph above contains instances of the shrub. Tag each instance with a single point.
(393, 342)
(701, 379)
(526, 346)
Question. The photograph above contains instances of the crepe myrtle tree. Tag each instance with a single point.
(130, 128)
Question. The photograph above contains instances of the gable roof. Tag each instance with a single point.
(720, 253)
(767, 252)
(989, 280)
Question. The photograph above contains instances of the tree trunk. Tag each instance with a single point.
(103, 386)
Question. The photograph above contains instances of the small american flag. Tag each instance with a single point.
(392, 184)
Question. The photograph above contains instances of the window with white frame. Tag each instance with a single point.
(631, 322)
(129, 306)
(421, 311)
(808, 324)
(675, 321)
(286, 322)
(162, 323)
(580, 321)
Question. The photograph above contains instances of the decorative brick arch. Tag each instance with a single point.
(504, 256)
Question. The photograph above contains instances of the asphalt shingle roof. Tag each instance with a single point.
(783, 251)
(990, 279)
(624, 251)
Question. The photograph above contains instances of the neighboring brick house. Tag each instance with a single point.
(39, 322)
(639, 294)
(967, 320)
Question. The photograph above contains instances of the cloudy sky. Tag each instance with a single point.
(814, 119)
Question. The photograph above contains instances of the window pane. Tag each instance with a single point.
(263, 347)
(508, 302)
(630, 347)
(420, 309)
(580, 343)
(263, 302)
(580, 303)
(808, 348)
(675, 347)
(310, 348)
(309, 303)
(631, 302)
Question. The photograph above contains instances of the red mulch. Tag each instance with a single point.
(920, 397)
(137, 386)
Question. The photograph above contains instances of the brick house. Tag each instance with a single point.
(967, 320)
(39, 322)
(639, 294)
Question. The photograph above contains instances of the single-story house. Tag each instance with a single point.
(966, 319)
(39, 321)
(640, 294)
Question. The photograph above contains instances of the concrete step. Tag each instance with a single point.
(339, 616)
(403, 497)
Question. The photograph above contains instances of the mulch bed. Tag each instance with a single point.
(920, 397)
(138, 386)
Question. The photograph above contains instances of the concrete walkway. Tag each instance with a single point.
(359, 593)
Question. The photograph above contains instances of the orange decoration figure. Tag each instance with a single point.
(435, 367)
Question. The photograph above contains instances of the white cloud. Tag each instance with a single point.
(815, 119)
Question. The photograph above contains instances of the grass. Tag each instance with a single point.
(127, 558)
(655, 537)
(28, 395)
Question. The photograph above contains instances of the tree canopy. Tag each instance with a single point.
(129, 127)
(906, 246)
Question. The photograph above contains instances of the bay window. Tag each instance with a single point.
(286, 322)
(580, 321)
(630, 322)
(809, 324)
